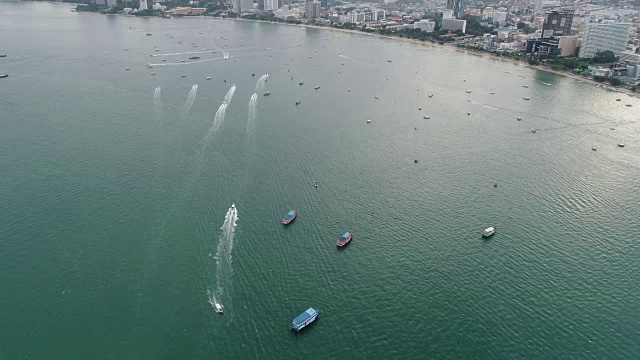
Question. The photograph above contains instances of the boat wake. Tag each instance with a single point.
(229, 96)
(157, 93)
(261, 82)
(191, 98)
(253, 102)
(224, 257)
(225, 55)
(157, 102)
(203, 51)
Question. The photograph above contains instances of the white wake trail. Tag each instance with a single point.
(157, 93)
(229, 96)
(191, 98)
(261, 82)
(224, 256)
(253, 102)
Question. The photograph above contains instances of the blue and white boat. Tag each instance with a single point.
(304, 319)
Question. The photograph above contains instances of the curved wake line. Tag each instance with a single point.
(191, 98)
(229, 95)
(224, 256)
(261, 83)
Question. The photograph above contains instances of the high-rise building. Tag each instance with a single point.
(454, 24)
(324, 4)
(424, 25)
(539, 5)
(557, 23)
(604, 37)
(311, 9)
(261, 5)
(240, 6)
(269, 4)
(457, 6)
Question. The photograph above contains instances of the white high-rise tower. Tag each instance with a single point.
(143, 5)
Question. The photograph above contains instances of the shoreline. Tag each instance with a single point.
(606, 86)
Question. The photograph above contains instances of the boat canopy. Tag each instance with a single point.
(290, 213)
(345, 235)
(304, 316)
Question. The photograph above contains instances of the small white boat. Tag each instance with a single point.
(127, 69)
(468, 113)
(620, 145)
(518, 118)
(525, 86)
(526, 98)
(183, 75)
(152, 73)
(419, 108)
(489, 231)
(375, 97)
(316, 87)
(430, 95)
(208, 77)
(468, 91)
(267, 93)
(368, 121)
(426, 117)
(217, 307)
(533, 131)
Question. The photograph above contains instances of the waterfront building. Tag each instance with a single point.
(311, 9)
(454, 24)
(602, 37)
(559, 46)
(240, 6)
(198, 11)
(143, 5)
(424, 25)
(457, 6)
(557, 23)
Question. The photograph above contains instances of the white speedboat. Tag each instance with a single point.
(489, 231)
(217, 307)
(368, 121)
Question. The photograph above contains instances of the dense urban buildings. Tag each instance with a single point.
(604, 37)
(457, 6)
(557, 23)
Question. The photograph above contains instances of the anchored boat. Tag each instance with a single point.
(344, 239)
(304, 319)
(489, 231)
(291, 215)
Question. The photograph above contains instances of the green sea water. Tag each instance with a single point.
(113, 199)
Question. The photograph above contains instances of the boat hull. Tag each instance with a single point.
(342, 243)
(289, 220)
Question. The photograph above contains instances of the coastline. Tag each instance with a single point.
(608, 87)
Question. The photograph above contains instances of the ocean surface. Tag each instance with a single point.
(116, 186)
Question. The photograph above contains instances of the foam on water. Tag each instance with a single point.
(261, 82)
(191, 98)
(253, 102)
(229, 96)
(224, 257)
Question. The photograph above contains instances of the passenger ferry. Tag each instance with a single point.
(291, 215)
(304, 319)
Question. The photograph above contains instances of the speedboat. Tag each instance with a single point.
(533, 131)
(233, 206)
(217, 307)
(194, 57)
(375, 97)
(267, 93)
(127, 69)
(430, 95)
(518, 118)
(368, 121)
(620, 145)
(300, 83)
(492, 93)
(344, 239)
(5, 55)
(419, 108)
(628, 105)
(291, 215)
(152, 73)
(184, 75)
(2, 76)
(208, 77)
(526, 98)
(316, 87)
(468, 91)
(426, 117)
(315, 183)
(525, 86)
(298, 102)
(149, 34)
(489, 231)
